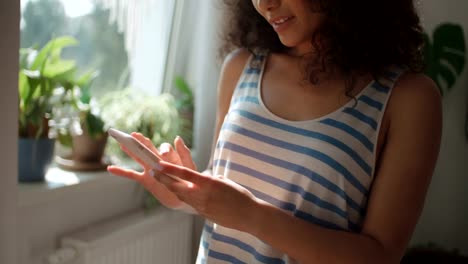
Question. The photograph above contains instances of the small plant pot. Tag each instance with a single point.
(34, 157)
(87, 149)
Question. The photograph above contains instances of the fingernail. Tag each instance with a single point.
(164, 148)
(181, 139)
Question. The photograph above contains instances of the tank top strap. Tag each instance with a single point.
(249, 81)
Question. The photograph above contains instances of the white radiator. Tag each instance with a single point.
(162, 237)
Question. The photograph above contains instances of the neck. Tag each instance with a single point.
(302, 50)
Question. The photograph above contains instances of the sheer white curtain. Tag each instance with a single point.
(146, 25)
(199, 42)
(192, 27)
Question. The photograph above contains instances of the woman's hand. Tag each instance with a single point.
(180, 156)
(214, 197)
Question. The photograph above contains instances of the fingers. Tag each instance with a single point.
(131, 174)
(146, 141)
(131, 155)
(180, 188)
(182, 173)
(169, 154)
(184, 153)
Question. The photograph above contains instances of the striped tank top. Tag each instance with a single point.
(318, 170)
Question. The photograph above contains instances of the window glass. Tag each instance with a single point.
(125, 41)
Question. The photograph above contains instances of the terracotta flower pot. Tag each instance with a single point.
(88, 149)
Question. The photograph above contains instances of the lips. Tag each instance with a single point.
(279, 22)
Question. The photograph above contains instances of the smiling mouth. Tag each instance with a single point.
(278, 23)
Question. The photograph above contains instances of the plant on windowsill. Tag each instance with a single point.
(42, 72)
(185, 106)
(131, 110)
(80, 129)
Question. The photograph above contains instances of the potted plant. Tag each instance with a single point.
(131, 110)
(185, 106)
(41, 73)
(90, 140)
(81, 129)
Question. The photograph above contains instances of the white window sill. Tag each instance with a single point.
(61, 182)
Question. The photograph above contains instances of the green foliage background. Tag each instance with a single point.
(101, 45)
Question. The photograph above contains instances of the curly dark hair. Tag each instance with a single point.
(364, 36)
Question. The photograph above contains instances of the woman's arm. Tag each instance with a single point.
(231, 71)
(395, 203)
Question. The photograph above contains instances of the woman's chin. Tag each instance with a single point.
(288, 43)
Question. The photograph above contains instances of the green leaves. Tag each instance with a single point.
(41, 72)
(94, 124)
(84, 81)
(50, 53)
(186, 96)
(445, 57)
(133, 110)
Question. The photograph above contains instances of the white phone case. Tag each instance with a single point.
(147, 156)
(138, 149)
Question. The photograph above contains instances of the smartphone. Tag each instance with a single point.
(138, 149)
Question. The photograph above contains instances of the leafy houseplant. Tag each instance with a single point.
(90, 144)
(80, 127)
(185, 106)
(131, 110)
(445, 55)
(41, 73)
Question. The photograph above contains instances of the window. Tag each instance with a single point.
(126, 41)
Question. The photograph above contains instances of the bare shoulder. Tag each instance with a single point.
(231, 70)
(413, 92)
(233, 65)
(415, 110)
(237, 57)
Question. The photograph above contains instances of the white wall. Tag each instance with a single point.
(445, 217)
(9, 44)
(44, 218)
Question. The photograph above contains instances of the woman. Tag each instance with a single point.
(327, 136)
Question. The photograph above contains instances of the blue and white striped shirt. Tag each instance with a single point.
(318, 170)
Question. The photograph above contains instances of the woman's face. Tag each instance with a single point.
(293, 20)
